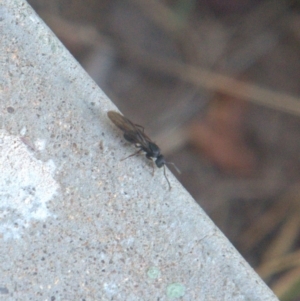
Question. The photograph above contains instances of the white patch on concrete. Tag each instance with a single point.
(26, 185)
(110, 289)
(40, 144)
(23, 131)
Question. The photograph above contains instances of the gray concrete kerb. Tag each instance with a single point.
(76, 222)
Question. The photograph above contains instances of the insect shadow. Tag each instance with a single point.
(135, 134)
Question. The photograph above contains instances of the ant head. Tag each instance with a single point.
(160, 161)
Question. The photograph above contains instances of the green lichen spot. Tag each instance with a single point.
(175, 290)
(153, 273)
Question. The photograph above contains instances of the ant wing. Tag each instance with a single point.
(132, 132)
(121, 122)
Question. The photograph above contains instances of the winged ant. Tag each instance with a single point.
(135, 134)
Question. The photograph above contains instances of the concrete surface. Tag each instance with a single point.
(76, 222)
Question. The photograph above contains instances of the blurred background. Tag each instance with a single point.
(215, 83)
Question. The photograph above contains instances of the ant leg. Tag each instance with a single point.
(152, 163)
(134, 154)
(141, 127)
(153, 169)
(170, 187)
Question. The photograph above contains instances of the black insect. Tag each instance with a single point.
(134, 133)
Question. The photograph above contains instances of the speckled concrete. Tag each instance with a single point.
(76, 222)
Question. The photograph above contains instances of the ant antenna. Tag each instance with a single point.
(177, 169)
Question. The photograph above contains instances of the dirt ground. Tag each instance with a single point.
(216, 85)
